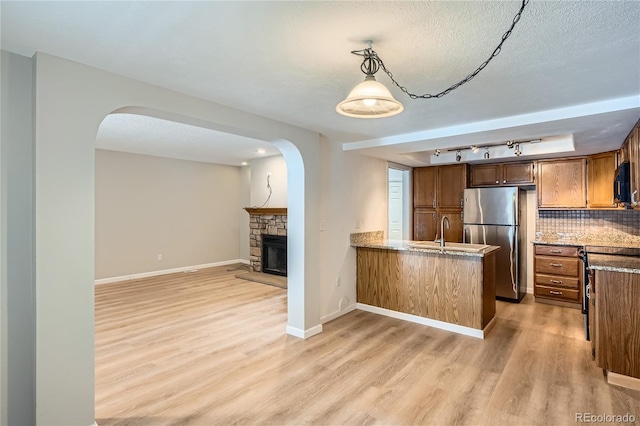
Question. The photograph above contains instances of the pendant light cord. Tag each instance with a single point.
(370, 54)
(270, 192)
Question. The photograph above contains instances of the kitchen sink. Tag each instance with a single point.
(471, 248)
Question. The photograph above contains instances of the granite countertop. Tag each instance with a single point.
(605, 262)
(375, 240)
(580, 240)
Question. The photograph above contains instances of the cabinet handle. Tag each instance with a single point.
(434, 215)
(434, 204)
(559, 293)
(556, 251)
(556, 265)
(633, 198)
(461, 202)
(504, 181)
(497, 181)
(556, 281)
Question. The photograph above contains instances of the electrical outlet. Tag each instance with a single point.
(338, 281)
(357, 223)
(159, 257)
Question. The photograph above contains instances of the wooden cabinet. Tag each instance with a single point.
(617, 317)
(558, 275)
(436, 191)
(631, 150)
(601, 172)
(562, 183)
(424, 187)
(509, 174)
(454, 233)
(425, 224)
(452, 180)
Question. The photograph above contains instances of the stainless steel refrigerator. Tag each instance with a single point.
(493, 216)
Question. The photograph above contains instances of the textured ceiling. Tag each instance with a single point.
(290, 61)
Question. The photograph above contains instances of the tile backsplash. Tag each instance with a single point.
(588, 222)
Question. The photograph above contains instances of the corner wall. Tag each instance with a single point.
(18, 280)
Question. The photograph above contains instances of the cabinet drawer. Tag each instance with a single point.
(557, 293)
(550, 265)
(557, 281)
(568, 251)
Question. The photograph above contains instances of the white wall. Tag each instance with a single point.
(277, 167)
(18, 311)
(186, 211)
(354, 188)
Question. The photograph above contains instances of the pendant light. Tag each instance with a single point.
(369, 99)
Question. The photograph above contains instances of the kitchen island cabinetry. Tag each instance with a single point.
(562, 184)
(506, 174)
(444, 289)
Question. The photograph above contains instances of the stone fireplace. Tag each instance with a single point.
(264, 222)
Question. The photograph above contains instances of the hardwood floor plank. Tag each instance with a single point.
(206, 348)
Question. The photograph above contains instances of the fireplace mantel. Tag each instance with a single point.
(266, 210)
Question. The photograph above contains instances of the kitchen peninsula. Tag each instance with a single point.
(451, 288)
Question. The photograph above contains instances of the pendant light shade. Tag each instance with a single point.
(369, 99)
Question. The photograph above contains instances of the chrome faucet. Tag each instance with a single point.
(442, 229)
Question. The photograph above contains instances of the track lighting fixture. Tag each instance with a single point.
(437, 153)
(486, 152)
(458, 156)
(509, 144)
(517, 152)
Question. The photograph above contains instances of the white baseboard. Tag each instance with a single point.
(304, 334)
(460, 329)
(325, 319)
(168, 271)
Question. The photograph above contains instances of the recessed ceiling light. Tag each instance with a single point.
(244, 163)
(261, 151)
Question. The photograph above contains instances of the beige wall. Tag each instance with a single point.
(186, 211)
(277, 167)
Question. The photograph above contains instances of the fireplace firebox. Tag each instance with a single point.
(274, 254)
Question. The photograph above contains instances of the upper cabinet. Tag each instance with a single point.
(631, 150)
(509, 174)
(562, 183)
(452, 180)
(424, 187)
(601, 172)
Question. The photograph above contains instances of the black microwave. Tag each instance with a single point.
(622, 184)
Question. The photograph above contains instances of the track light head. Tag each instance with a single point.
(436, 152)
(486, 153)
(517, 152)
(458, 156)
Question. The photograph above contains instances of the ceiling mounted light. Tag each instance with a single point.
(437, 153)
(517, 152)
(458, 156)
(371, 99)
(261, 151)
(486, 152)
(244, 163)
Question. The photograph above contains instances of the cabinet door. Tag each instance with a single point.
(562, 183)
(518, 173)
(485, 175)
(424, 225)
(424, 187)
(601, 172)
(454, 232)
(452, 180)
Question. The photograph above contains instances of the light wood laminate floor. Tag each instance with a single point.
(206, 348)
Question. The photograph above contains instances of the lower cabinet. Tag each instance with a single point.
(558, 275)
(454, 232)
